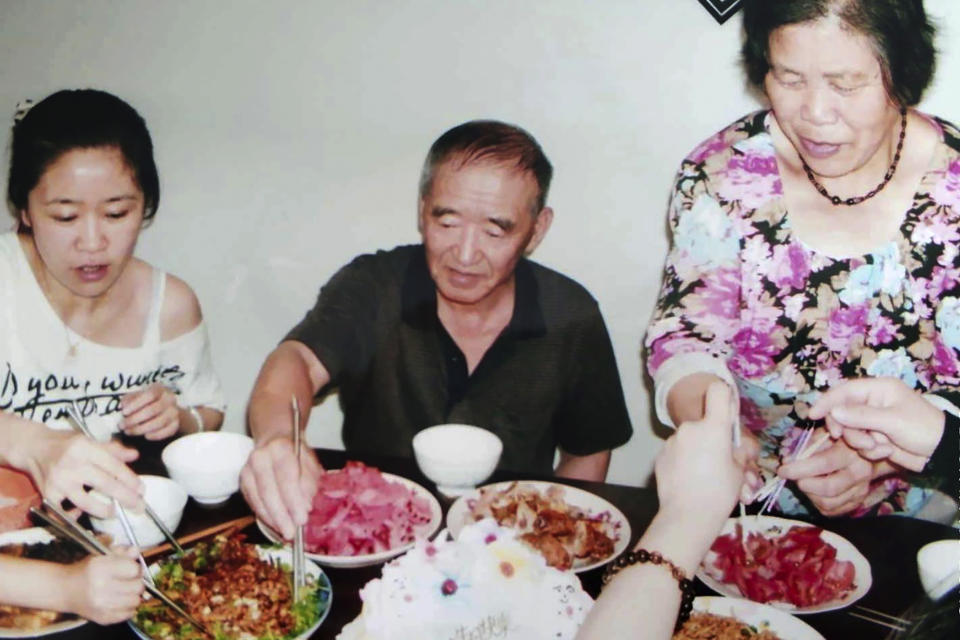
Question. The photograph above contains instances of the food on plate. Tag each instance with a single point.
(709, 626)
(226, 585)
(357, 511)
(25, 618)
(797, 567)
(484, 584)
(17, 495)
(566, 535)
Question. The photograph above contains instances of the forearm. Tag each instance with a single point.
(34, 583)
(685, 399)
(17, 437)
(646, 596)
(591, 467)
(286, 373)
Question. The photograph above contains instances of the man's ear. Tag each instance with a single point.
(540, 227)
(420, 215)
(24, 218)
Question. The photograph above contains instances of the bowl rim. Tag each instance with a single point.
(493, 439)
(172, 449)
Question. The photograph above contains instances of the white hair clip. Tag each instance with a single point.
(23, 107)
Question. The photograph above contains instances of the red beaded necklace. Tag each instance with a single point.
(836, 200)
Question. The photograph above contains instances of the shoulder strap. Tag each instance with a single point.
(151, 334)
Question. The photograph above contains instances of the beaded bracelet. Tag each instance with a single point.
(641, 556)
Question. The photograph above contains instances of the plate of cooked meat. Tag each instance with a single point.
(787, 564)
(573, 529)
(362, 516)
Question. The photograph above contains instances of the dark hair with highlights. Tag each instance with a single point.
(79, 119)
(899, 30)
(494, 142)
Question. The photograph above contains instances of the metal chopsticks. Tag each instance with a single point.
(69, 529)
(298, 556)
(880, 618)
(81, 423)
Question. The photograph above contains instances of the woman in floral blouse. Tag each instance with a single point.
(818, 241)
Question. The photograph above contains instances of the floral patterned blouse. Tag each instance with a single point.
(788, 322)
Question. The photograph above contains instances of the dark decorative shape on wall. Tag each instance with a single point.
(721, 10)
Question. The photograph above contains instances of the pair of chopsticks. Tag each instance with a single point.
(67, 528)
(81, 424)
(880, 618)
(801, 450)
(299, 561)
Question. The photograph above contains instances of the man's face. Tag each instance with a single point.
(476, 223)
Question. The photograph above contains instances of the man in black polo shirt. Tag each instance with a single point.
(461, 328)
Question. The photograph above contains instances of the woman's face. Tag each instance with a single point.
(826, 89)
(85, 215)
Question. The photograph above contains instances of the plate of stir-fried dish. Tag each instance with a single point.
(716, 618)
(573, 529)
(239, 591)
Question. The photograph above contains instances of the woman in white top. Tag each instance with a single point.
(82, 319)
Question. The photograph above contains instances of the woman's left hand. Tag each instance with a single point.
(152, 413)
(836, 479)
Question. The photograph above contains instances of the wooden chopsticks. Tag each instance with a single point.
(237, 523)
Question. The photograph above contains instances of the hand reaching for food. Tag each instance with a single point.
(105, 589)
(269, 483)
(62, 463)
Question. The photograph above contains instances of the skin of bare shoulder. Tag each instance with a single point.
(180, 312)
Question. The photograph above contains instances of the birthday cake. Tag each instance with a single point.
(482, 586)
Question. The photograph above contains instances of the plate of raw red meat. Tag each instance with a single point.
(362, 516)
(786, 564)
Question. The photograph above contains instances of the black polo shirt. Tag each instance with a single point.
(549, 380)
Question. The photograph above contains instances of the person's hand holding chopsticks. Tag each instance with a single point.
(64, 464)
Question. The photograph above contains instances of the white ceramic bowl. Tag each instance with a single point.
(208, 464)
(457, 457)
(939, 567)
(165, 497)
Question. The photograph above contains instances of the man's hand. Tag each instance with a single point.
(882, 418)
(836, 479)
(269, 483)
(152, 413)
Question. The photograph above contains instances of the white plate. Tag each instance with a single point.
(845, 551)
(283, 555)
(459, 513)
(761, 616)
(364, 560)
(34, 535)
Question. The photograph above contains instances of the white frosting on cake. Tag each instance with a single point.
(485, 585)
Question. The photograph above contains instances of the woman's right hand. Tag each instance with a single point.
(882, 418)
(105, 589)
(62, 464)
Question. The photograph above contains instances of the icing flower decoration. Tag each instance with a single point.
(449, 587)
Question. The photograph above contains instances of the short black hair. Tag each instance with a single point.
(491, 141)
(80, 119)
(899, 31)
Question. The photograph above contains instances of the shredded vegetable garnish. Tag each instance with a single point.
(227, 586)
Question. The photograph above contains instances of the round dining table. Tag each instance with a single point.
(890, 544)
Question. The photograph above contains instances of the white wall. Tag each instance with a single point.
(289, 136)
